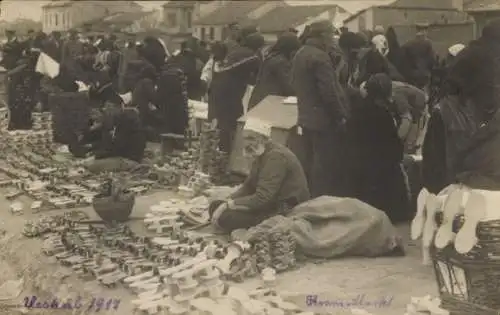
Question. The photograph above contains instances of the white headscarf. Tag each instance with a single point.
(380, 43)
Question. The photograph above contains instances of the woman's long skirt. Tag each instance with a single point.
(21, 100)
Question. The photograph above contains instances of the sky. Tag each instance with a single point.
(32, 9)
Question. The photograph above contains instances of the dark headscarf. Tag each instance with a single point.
(349, 41)
(39, 41)
(492, 31)
(247, 31)
(253, 41)
(152, 51)
(219, 51)
(379, 86)
(287, 44)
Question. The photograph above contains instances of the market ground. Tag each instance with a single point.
(394, 278)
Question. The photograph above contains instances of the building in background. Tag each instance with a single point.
(65, 15)
(483, 12)
(212, 26)
(283, 18)
(407, 12)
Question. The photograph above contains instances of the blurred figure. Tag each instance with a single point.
(233, 31)
(420, 56)
(54, 46)
(192, 67)
(23, 83)
(274, 77)
(72, 48)
(12, 50)
(378, 30)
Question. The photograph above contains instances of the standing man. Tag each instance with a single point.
(73, 47)
(322, 109)
(421, 59)
(233, 35)
(11, 51)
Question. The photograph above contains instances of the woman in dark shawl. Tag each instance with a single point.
(161, 91)
(377, 151)
(274, 75)
(395, 55)
(454, 145)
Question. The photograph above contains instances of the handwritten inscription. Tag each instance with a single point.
(94, 305)
(359, 301)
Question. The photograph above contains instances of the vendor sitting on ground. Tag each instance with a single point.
(115, 143)
(276, 183)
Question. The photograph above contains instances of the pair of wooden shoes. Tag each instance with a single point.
(453, 200)
(470, 203)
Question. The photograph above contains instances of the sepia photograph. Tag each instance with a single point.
(286, 157)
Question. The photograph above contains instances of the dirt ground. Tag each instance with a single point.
(393, 279)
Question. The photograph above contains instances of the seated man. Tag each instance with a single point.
(275, 184)
(117, 143)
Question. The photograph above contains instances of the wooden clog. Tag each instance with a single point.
(451, 208)
(430, 226)
(417, 225)
(234, 251)
(475, 210)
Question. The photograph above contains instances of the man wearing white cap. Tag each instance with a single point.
(276, 182)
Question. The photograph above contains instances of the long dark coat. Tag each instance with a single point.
(376, 153)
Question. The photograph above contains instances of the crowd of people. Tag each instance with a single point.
(363, 99)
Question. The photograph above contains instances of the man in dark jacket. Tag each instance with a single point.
(12, 50)
(420, 56)
(322, 109)
(72, 48)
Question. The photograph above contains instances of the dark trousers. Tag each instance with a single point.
(324, 155)
(227, 131)
(231, 220)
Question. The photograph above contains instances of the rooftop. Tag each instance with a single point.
(482, 6)
(283, 18)
(348, 5)
(230, 12)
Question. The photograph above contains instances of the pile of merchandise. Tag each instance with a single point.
(176, 273)
(212, 161)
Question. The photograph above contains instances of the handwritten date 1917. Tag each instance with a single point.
(95, 304)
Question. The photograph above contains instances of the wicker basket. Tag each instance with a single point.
(111, 209)
(480, 268)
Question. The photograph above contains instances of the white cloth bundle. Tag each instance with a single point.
(455, 49)
(127, 97)
(47, 66)
(258, 126)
